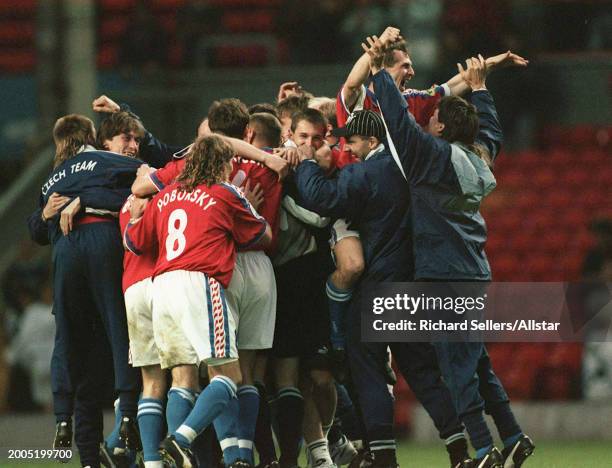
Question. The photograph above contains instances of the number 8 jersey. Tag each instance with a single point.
(196, 231)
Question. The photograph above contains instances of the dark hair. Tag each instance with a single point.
(292, 105)
(460, 119)
(117, 124)
(263, 108)
(70, 133)
(389, 56)
(268, 126)
(312, 116)
(205, 163)
(229, 117)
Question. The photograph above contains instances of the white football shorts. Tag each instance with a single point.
(192, 321)
(139, 309)
(252, 298)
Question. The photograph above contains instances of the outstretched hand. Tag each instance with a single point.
(375, 50)
(475, 72)
(507, 59)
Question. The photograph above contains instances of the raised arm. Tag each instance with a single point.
(489, 133)
(361, 70)
(152, 151)
(459, 87)
(248, 151)
(423, 157)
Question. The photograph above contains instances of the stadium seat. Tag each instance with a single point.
(117, 6)
(241, 56)
(577, 176)
(560, 157)
(108, 56)
(18, 8)
(17, 60)
(112, 29)
(544, 177)
(161, 5)
(510, 179)
(16, 33)
(254, 21)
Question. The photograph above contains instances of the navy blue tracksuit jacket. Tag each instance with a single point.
(373, 196)
(449, 239)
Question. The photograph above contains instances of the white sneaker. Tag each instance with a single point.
(324, 463)
(343, 451)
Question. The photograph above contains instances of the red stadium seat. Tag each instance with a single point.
(544, 177)
(108, 56)
(557, 200)
(560, 157)
(161, 5)
(117, 5)
(577, 177)
(246, 3)
(241, 56)
(603, 177)
(574, 218)
(17, 33)
(17, 60)
(528, 160)
(18, 7)
(582, 136)
(511, 179)
(593, 157)
(253, 21)
(112, 29)
(527, 200)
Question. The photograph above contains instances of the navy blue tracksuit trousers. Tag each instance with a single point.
(418, 364)
(467, 371)
(87, 289)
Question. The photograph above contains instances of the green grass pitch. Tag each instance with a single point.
(580, 454)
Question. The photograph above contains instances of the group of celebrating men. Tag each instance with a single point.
(227, 281)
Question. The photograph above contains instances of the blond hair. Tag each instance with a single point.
(70, 133)
(206, 163)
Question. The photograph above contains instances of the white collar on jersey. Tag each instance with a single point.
(376, 150)
(84, 148)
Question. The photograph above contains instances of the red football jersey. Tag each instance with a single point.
(256, 173)
(421, 105)
(166, 175)
(243, 169)
(135, 267)
(198, 230)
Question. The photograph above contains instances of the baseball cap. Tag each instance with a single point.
(363, 123)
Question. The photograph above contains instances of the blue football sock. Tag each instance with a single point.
(510, 441)
(151, 424)
(248, 398)
(211, 402)
(477, 429)
(481, 452)
(227, 429)
(180, 403)
(338, 302)
(112, 440)
(507, 426)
